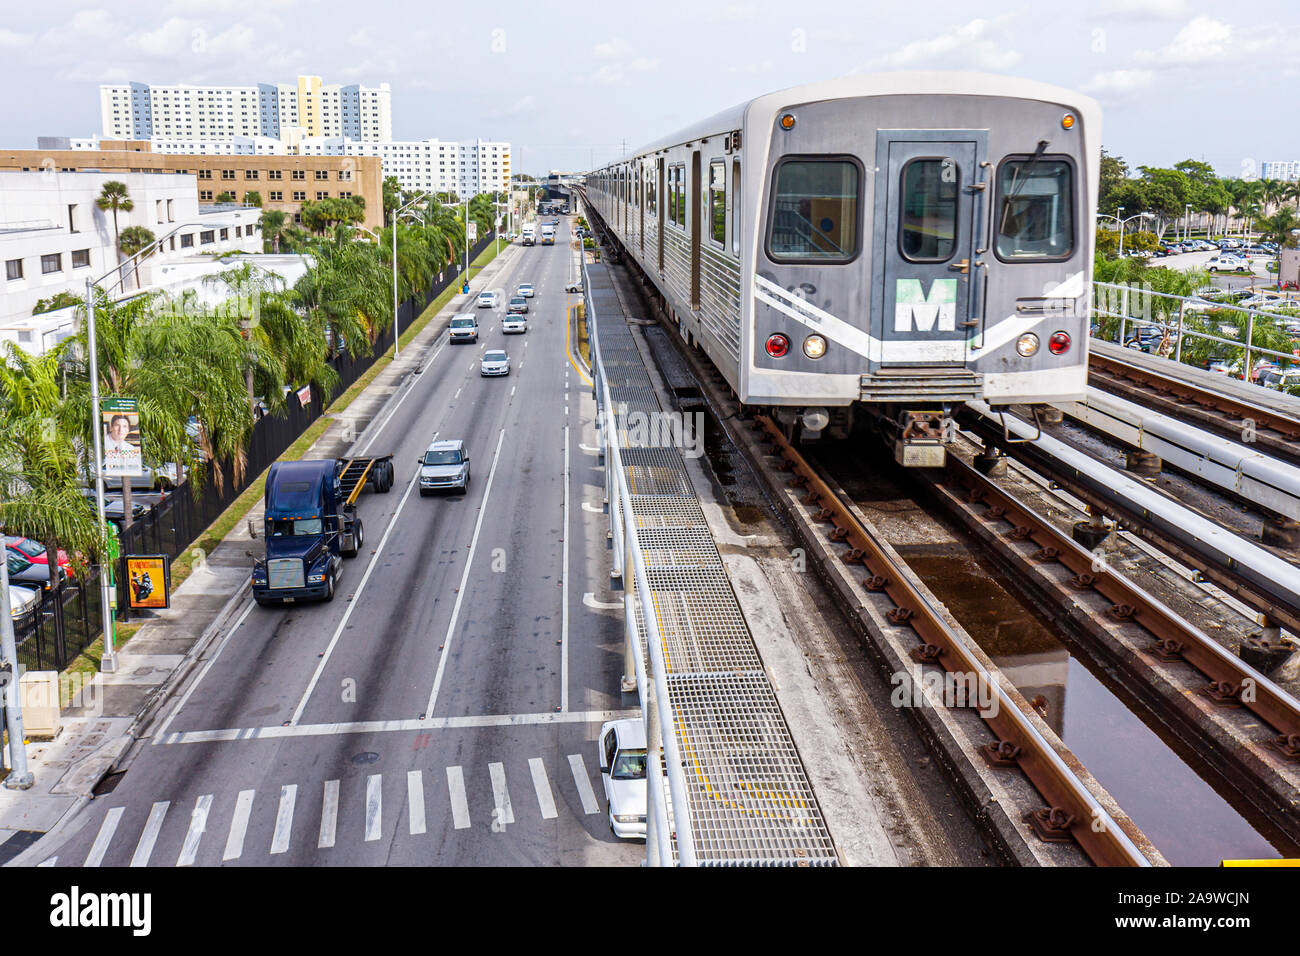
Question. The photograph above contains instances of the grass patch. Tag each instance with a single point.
(584, 339)
(408, 335)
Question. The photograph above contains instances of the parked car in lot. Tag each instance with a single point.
(495, 362)
(1219, 368)
(113, 509)
(22, 571)
(1281, 379)
(514, 323)
(23, 604)
(526, 289)
(1262, 369)
(35, 552)
(621, 750)
(444, 466)
(518, 305)
(1144, 338)
(463, 328)
(1227, 263)
(487, 300)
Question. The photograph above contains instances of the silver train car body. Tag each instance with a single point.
(915, 240)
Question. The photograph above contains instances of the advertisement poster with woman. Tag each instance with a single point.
(122, 456)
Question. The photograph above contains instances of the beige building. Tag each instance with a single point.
(283, 182)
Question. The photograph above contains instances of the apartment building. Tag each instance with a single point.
(53, 237)
(284, 182)
(1285, 170)
(466, 169)
(184, 112)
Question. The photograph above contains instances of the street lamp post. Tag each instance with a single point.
(1141, 215)
(397, 332)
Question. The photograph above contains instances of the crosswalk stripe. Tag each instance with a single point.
(144, 849)
(239, 825)
(374, 805)
(284, 818)
(198, 823)
(415, 797)
(583, 782)
(545, 799)
(459, 805)
(500, 795)
(329, 815)
(105, 836)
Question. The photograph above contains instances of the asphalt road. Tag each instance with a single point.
(443, 708)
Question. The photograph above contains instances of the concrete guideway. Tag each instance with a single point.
(501, 658)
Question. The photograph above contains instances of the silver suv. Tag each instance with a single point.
(444, 466)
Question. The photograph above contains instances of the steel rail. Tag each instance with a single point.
(1071, 806)
(1231, 680)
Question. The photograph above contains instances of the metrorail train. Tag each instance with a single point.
(894, 244)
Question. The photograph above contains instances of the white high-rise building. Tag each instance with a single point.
(1286, 170)
(276, 110)
(466, 169)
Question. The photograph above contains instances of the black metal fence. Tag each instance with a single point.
(68, 619)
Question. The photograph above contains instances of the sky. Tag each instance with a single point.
(570, 87)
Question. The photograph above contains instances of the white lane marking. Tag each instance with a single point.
(284, 818)
(464, 579)
(104, 837)
(589, 599)
(198, 823)
(144, 849)
(590, 449)
(239, 825)
(329, 815)
(374, 806)
(456, 790)
(500, 795)
(415, 798)
(513, 387)
(583, 783)
(162, 731)
(545, 799)
(388, 726)
(352, 605)
(593, 509)
(457, 395)
(564, 582)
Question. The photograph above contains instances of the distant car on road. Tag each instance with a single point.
(487, 300)
(463, 328)
(621, 750)
(574, 287)
(443, 466)
(1227, 263)
(495, 362)
(514, 323)
(526, 289)
(518, 305)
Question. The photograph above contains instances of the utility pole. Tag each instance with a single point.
(20, 778)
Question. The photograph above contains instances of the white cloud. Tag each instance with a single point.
(1142, 9)
(1119, 81)
(611, 49)
(968, 45)
(1203, 40)
(11, 40)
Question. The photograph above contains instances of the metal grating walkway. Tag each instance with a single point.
(750, 802)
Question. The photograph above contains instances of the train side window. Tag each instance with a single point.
(651, 199)
(1035, 209)
(718, 201)
(927, 221)
(735, 206)
(814, 210)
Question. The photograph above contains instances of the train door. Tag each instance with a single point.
(640, 206)
(660, 203)
(931, 211)
(693, 189)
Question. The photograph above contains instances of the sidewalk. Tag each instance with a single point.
(118, 710)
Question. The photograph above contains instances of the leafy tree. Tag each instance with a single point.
(60, 300)
(1278, 227)
(323, 215)
(135, 239)
(114, 197)
(253, 198)
(225, 197)
(392, 196)
(1114, 171)
(272, 223)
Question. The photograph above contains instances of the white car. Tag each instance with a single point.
(1225, 263)
(526, 289)
(495, 362)
(573, 287)
(514, 323)
(463, 328)
(487, 300)
(622, 754)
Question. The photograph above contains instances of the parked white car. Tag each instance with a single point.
(622, 753)
(1226, 263)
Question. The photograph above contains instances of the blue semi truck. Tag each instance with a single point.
(312, 524)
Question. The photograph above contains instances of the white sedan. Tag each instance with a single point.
(622, 754)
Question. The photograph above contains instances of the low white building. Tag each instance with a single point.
(53, 237)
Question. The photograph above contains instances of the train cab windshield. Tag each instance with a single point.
(1035, 212)
(815, 211)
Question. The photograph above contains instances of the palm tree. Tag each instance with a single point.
(272, 225)
(133, 240)
(113, 196)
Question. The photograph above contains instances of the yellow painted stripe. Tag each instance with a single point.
(568, 327)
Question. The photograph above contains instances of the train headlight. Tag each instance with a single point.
(814, 346)
(1027, 345)
(1059, 343)
(777, 345)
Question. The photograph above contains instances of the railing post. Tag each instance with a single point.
(1250, 340)
(1123, 313)
(1178, 346)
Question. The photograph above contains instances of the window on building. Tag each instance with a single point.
(187, 241)
(13, 269)
(250, 174)
(72, 218)
(321, 195)
(322, 174)
(206, 237)
(239, 231)
(205, 174)
(227, 174)
(345, 175)
(52, 263)
(80, 258)
(276, 195)
(274, 174)
(300, 196)
(300, 174)
(225, 234)
(205, 195)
